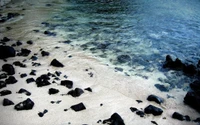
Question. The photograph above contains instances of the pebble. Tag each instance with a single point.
(7, 102)
(153, 110)
(27, 104)
(67, 83)
(56, 63)
(5, 92)
(115, 119)
(9, 69)
(78, 107)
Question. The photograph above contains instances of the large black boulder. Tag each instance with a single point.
(9, 69)
(6, 52)
(78, 107)
(153, 110)
(56, 63)
(115, 119)
(25, 105)
(175, 65)
(76, 93)
(195, 85)
(7, 102)
(192, 99)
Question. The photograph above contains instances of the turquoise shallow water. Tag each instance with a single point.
(143, 31)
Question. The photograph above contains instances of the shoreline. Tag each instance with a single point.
(116, 92)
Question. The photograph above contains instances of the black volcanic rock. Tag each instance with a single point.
(153, 110)
(29, 80)
(190, 69)
(155, 99)
(6, 52)
(88, 89)
(18, 43)
(44, 53)
(24, 91)
(3, 76)
(43, 80)
(5, 39)
(140, 113)
(53, 91)
(78, 107)
(30, 42)
(115, 119)
(162, 88)
(175, 65)
(2, 84)
(49, 33)
(23, 75)
(56, 63)
(25, 105)
(5, 92)
(24, 52)
(195, 85)
(67, 83)
(133, 109)
(76, 93)
(9, 69)
(18, 63)
(11, 80)
(7, 102)
(192, 99)
(180, 117)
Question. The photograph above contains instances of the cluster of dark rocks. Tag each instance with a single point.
(8, 16)
(192, 98)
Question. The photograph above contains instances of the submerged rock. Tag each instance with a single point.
(48, 33)
(78, 107)
(115, 119)
(67, 83)
(25, 105)
(6, 52)
(76, 93)
(9, 69)
(123, 58)
(162, 88)
(56, 63)
(7, 102)
(155, 99)
(153, 110)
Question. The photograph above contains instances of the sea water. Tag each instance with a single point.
(143, 31)
(133, 36)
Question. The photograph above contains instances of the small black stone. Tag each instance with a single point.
(178, 116)
(162, 88)
(5, 39)
(115, 119)
(140, 113)
(24, 52)
(48, 33)
(88, 89)
(25, 105)
(9, 69)
(23, 75)
(44, 53)
(34, 58)
(78, 107)
(67, 83)
(18, 63)
(56, 63)
(139, 101)
(43, 80)
(76, 93)
(155, 99)
(3, 76)
(153, 110)
(5, 92)
(32, 72)
(2, 84)
(154, 122)
(30, 42)
(197, 120)
(7, 102)
(133, 109)
(18, 43)
(11, 80)
(24, 91)
(58, 73)
(40, 114)
(53, 91)
(29, 80)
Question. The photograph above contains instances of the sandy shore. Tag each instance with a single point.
(111, 91)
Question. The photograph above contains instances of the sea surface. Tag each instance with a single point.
(133, 36)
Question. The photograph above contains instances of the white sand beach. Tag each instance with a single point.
(112, 92)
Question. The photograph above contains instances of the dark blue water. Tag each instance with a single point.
(145, 31)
